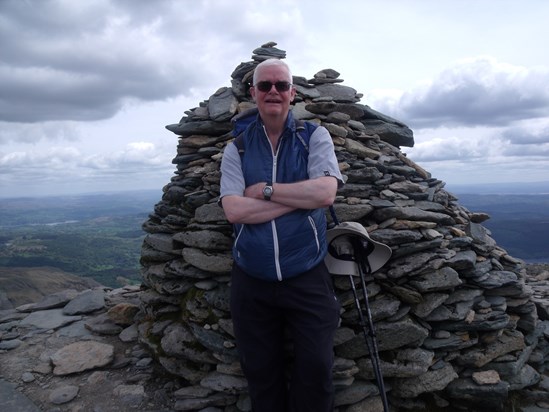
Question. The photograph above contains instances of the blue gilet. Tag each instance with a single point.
(290, 244)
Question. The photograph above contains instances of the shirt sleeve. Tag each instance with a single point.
(322, 158)
(232, 179)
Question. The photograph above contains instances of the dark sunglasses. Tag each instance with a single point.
(267, 86)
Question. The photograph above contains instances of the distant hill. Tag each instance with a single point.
(99, 236)
(19, 286)
(519, 223)
(58, 209)
(522, 188)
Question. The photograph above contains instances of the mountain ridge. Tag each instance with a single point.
(19, 285)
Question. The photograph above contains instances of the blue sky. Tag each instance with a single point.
(86, 87)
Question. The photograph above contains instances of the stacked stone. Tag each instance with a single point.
(454, 319)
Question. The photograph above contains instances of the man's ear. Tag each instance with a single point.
(252, 92)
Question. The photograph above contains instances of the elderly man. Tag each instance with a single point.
(275, 194)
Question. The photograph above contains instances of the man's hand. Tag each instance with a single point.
(255, 191)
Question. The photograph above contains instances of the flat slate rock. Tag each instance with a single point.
(49, 319)
(14, 401)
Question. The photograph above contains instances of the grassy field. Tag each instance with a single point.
(95, 236)
(104, 249)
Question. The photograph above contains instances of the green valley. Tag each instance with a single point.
(95, 236)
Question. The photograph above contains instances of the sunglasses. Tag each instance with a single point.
(266, 86)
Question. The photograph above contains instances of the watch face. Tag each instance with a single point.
(267, 191)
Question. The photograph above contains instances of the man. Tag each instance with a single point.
(275, 196)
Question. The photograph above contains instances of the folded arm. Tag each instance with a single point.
(307, 194)
(241, 209)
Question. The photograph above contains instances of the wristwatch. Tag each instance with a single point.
(268, 191)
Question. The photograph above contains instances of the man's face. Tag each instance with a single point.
(273, 103)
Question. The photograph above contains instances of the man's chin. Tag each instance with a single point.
(272, 111)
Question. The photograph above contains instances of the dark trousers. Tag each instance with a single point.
(262, 311)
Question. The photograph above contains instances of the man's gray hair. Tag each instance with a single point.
(272, 62)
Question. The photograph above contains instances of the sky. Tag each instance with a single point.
(87, 87)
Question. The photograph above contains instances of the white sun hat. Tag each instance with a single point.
(342, 258)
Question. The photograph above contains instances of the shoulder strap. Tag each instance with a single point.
(239, 143)
(242, 120)
(302, 135)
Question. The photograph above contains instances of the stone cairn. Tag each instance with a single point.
(456, 322)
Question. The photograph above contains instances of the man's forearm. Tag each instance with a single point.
(247, 210)
(307, 194)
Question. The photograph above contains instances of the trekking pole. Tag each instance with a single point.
(369, 333)
(347, 251)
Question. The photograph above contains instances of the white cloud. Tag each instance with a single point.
(83, 61)
(35, 132)
(129, 160)
(479, 155)
(88, 71)
(67, 169)
(528, 133)
(447, 148)
(473, 92)
(105, 77)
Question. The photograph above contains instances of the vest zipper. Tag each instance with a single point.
(238, 238)
(276, 249)
(315, 232)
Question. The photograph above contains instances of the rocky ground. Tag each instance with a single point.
(85, 358)
(78, 351)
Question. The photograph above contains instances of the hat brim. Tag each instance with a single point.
(377, 256)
